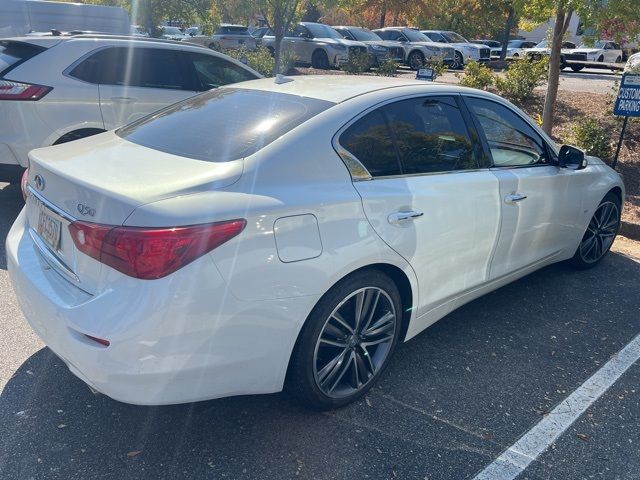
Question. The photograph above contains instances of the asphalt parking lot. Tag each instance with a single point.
(453, 400)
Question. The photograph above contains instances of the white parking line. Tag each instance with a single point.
(518, 457)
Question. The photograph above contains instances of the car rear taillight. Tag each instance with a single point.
(10, 90)
(24, 183)
(101, 341)
(151, 253)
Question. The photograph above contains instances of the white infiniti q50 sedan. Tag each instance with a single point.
(291, 232)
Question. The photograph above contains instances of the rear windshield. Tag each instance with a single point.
(14, 53)
(232, 30)
(223, 124)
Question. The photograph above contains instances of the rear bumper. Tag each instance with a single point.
(179, 339)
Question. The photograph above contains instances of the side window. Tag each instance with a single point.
(393, 35)
(431, 135)
(301, 29)
(212, 71)
(135, 67)
(512, 141)
(369, 140)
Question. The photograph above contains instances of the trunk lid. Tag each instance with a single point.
(103, 179)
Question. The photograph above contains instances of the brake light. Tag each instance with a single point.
(151, 253)
(24, 182)
(10, 90)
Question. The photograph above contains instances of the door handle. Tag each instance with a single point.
(123, 99)
(514, 198)
(400, 217)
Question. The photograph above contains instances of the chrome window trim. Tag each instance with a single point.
(359, 177)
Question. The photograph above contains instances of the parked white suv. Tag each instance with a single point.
(316, 44)
(57, 89)
(418, 49)
(465, 50)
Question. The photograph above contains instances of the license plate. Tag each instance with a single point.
(49, 229)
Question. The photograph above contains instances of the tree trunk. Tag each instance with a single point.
(562, 23)
(383, 14)
(277, 54)
(507, 31)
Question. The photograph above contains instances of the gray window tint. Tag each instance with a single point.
(431, 135)
(13, 54)
(212, 72)
(135, 67)
(370, 141)
(512, 141)
(223, 124)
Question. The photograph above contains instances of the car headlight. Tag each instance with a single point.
(378, 48)
(339, 46)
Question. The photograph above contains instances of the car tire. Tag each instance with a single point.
(577, 68)
(618, 59)
(458, 61)
(601, 58)
(515, 55)
(334, 361)
(600, 234)
(415, 60)
(320, 60)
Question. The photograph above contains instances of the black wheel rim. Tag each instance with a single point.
(415, 61)
(354, 343)
(600, 233)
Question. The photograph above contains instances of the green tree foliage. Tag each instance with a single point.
(521, 78)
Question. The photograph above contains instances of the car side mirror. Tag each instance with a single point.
(402, 40)
(304, 35)
(572, 158)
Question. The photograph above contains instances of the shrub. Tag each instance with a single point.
(521, 78)
(359, 62)
(437, 65)
(260, 59)
(593, 137)
(477, 75)
(388, 68)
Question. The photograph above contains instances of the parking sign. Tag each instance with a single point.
(628, 101)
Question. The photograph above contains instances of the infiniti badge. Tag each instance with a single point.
(39, 181)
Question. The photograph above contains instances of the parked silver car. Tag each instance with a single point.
(317, 45)
(227, 37)
(379, 49)
(418, 49)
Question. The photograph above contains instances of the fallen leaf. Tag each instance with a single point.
(582, 437)
(62, 425)
(134, 453)
(366, 399)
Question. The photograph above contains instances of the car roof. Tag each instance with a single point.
(338, 88)
(46, 41)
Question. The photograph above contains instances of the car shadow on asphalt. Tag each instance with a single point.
(10, 205)
(454, 397)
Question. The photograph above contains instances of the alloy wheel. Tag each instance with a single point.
(354, 342)
(600, 233)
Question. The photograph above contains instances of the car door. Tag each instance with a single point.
(540, 205)
(138, 81)
(428, 199)
(302, 43)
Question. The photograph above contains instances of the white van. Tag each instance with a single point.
(19, 17)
